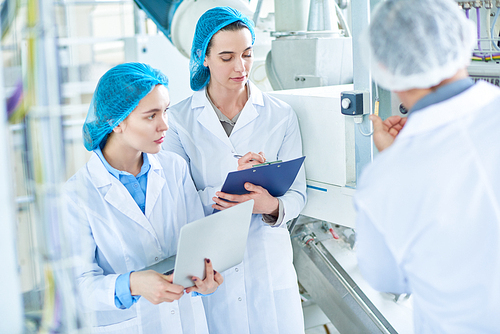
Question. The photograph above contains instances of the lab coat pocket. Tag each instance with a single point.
(280, 257)
(127, 326)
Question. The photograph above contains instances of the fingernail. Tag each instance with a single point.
(208, 260)
(194, 279)
(215, 272)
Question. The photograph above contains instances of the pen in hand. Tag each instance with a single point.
(248, 160)
(239, 156)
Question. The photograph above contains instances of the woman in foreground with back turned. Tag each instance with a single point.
(125, 209)
(228, 116)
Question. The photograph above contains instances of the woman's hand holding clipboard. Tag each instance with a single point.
(274, 178)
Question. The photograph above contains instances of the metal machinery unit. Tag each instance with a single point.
(486, 57)
(323, 237)
(337, 150)
(302, 56)
(327, 269)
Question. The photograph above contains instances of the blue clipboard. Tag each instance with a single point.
(276, 178)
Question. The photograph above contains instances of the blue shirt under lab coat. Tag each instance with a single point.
(136, 186)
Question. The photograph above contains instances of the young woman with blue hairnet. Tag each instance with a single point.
(226, 117)
(125, 209)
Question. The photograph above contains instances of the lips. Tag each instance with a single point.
(159, 141)
(239, 79)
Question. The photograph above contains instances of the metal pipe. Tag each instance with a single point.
(139, 21)
(319, 16)
(362, 81)
(291, 15)
(334, 266)
(257, 12)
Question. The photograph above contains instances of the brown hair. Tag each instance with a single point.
(235, 26)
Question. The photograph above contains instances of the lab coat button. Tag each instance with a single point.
(173, 311)
(239, 299)
(156, 259)
(236, 269)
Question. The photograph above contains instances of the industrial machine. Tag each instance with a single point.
(338, 147)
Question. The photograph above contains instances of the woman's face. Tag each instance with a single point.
(230, 59)
(144, 129)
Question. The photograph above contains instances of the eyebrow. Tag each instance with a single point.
(154, 110)
(230, 52)
(151, 111)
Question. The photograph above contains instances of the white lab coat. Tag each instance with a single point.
(112, 236)
(261, 294)
(429, 214)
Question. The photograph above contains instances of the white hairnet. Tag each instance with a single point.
(418, 43)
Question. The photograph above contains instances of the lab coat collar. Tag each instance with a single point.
(442, 113)
(249, 112)
(115, 193)
(208, 118)
(156, 182)
(442, 93)
(199, 98)
(256, 95)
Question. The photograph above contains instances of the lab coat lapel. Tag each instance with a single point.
(249, 112)
(155, 184)
(116, 194)
(208, 118)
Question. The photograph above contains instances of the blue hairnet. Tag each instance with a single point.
(208, 25)
(117, 94)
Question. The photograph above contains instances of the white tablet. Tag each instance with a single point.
(220, 237)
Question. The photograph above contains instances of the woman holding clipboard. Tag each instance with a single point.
(225, 117)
